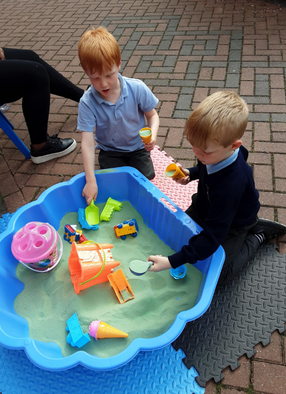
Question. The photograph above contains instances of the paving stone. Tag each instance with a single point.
(273, 352)
(210, 387)
(214, 84)
(256, 65)
(279, 118)
(253, 117)
(239, 377)
(246, 88)
(262, 77)
(234, 56)
(185, 82)
(269, 378)
(261, 88)
(169, 45)
(170, 61)
(232, 81)
(164, 45)
(211, 44)
(256, 100)
(263, 177)
(214, 64)
(181, 114)
(184, 102)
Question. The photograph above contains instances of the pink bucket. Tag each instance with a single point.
(37, 246)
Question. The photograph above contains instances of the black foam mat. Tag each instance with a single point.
(242, 314)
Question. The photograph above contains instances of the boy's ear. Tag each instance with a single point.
(236, 144)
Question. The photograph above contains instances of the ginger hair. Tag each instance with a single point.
(98, 51)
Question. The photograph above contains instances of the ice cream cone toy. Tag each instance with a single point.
(173, 171)
(146, 134)
(99, 330)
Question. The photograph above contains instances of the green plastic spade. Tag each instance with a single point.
(92, 214)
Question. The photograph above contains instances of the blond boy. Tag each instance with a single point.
(227, 202)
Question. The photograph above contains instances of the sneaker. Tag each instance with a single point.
(268, 228)
(55, 147)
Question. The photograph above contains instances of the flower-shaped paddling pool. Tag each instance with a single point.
(172, 226)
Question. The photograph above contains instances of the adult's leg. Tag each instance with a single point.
(30, 81)
(59, 85)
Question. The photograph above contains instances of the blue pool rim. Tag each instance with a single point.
(174, 228)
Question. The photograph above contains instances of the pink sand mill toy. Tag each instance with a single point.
(37, 246)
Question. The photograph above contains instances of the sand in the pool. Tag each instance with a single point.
(48, 299)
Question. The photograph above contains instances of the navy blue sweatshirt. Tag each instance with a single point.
(227, 199)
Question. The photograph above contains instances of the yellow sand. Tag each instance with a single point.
(48, 299)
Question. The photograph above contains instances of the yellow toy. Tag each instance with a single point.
(126, 228)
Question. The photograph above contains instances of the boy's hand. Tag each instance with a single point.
(160, 263)
(151, 145)
(183, 181)
(90, 192)
(2, 56)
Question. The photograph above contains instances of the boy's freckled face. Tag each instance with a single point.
(213, 153)
(106, 83)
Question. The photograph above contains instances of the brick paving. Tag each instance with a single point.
(183, 50)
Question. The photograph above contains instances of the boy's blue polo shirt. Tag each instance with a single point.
(212, 168)
(117, 125)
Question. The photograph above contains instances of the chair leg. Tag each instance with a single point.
(7, 127)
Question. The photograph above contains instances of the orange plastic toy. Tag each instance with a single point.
(90, 264)
(120, 286)
(173, 171)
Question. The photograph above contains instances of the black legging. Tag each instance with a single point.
(23, 74)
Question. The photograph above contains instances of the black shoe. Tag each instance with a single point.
(268, 228)
(55, 147)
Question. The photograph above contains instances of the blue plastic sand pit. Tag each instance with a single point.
(173, 228)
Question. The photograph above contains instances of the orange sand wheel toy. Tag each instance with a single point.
(90, 264)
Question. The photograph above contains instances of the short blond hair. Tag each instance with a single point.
(98, 51)
(220, 118)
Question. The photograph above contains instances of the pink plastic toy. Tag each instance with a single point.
(37, 246)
